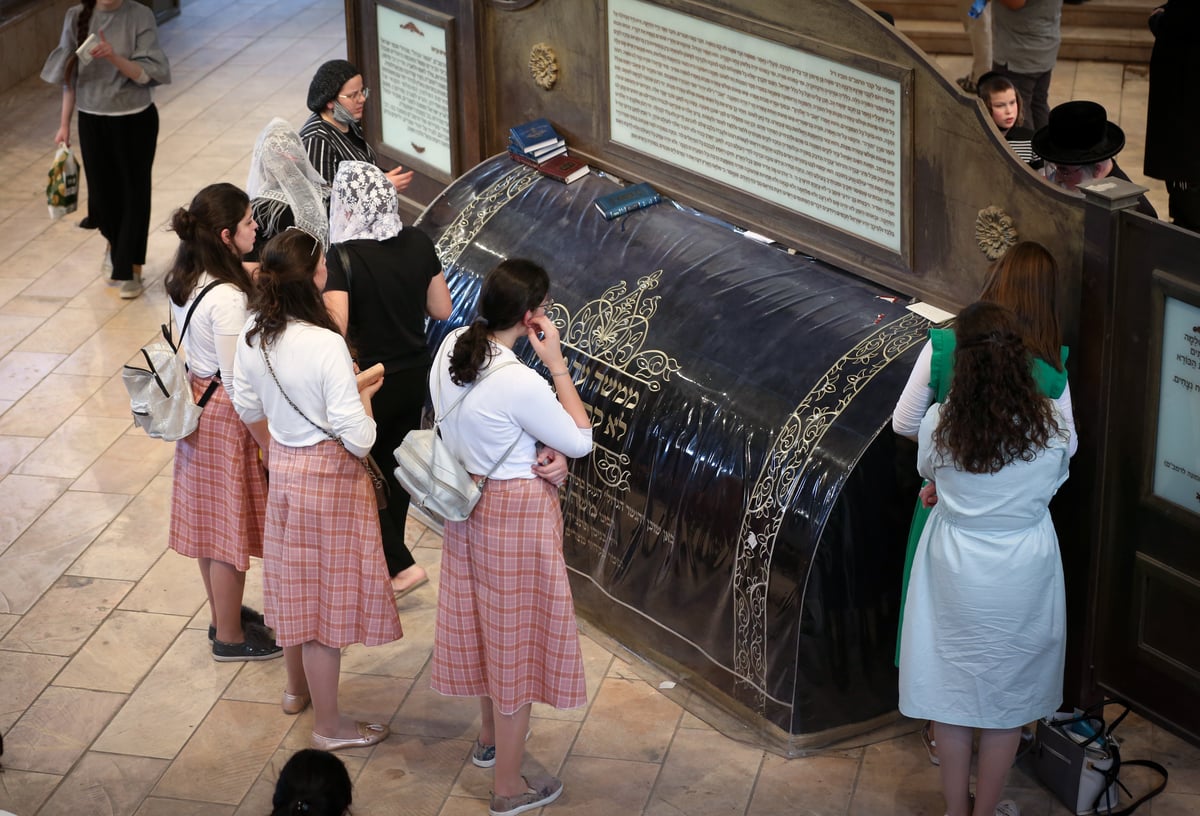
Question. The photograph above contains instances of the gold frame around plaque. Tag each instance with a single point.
(409, 155)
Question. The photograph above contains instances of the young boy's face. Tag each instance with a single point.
(1004, 108)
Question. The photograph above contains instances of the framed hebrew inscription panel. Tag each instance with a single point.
(1175, 471)
(807, 127)
(415, 86)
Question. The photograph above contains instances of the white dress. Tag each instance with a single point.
(984, 638)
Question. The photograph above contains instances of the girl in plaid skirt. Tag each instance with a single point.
(325, 584)
(219, 493)
(506, 629)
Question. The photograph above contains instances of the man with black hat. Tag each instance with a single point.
(1080, 144)
(332, 135)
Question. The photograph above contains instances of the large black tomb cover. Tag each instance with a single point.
(743, 516)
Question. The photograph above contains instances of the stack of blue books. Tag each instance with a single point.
(535, 142)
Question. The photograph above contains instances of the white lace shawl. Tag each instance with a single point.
(280, 172)
(363, 204)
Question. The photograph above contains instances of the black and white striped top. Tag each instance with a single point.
(1020, 140)
(327, 147)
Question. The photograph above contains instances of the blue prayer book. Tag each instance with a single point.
(628, 199)
(533, 136)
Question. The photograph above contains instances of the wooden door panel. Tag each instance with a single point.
(1148, 589)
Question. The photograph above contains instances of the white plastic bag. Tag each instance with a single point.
(62, 192)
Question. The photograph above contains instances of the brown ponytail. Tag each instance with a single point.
(510, 290)
(82, 22)
(85, 20)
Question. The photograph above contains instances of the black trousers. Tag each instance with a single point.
(1183, 202)
(397, 407)
(118, 156)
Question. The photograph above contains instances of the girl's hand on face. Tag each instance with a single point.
(547, 342)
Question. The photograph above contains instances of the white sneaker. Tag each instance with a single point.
(106, 267)
(1007, 807)
(132, 287)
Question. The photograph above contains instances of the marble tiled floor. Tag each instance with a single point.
(109, 700)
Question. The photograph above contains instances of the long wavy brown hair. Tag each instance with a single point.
(216, 208)
(285, 289)
(1025, 280)
(994, 413)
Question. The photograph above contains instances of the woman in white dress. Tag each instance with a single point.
(984, 635)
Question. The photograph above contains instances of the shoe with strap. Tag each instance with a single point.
(930, 744)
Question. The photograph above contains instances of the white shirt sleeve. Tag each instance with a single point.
(315, 371)
(1068, 419)
(343, 405)
(916, 397)
(221, 313)
(540, 415)
(928, 458)
(513, 403)
(244, 396)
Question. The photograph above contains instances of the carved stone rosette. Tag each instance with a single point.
(543, 66)
(994, 232)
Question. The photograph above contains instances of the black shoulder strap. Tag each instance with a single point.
(344, 257)
(1104, 736)
(188, 317)
(1113, 776)
(213, 385)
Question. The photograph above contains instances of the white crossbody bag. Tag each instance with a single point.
(432, 474)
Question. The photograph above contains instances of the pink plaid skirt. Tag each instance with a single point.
(506, 620)
(324, 577)
(219, 495)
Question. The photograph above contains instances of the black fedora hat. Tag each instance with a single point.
(1078, 133)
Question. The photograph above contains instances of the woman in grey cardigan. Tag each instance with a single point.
(110, 84)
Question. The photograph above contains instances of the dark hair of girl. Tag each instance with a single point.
(216, 208)
(510, 290)
(994, 413)
(312, 783)
(84, 20)
(285, 290)
(1025, 280)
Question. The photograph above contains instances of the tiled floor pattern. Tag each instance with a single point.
(109, 700)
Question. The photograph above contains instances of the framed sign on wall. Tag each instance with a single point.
(416, 86)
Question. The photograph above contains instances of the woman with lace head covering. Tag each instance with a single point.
(383, 282)
(285, 190)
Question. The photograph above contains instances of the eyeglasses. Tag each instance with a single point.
(546, 305)
(360, 94)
